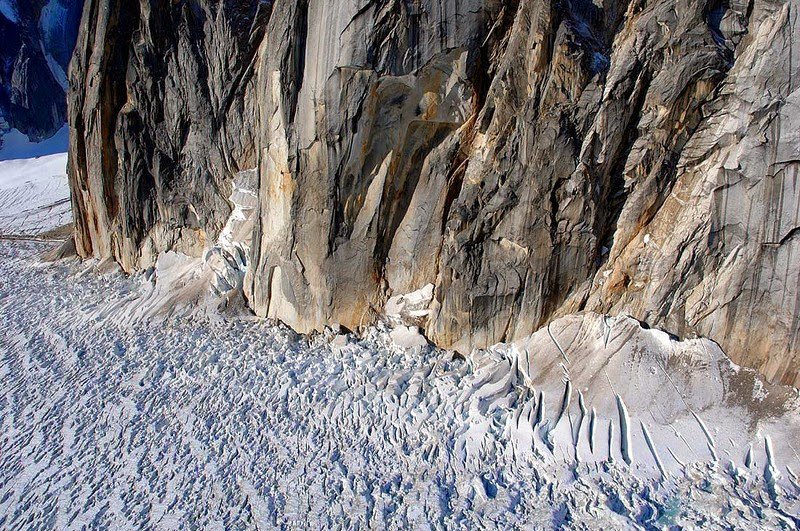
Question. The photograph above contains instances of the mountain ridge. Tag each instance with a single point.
(38, 40)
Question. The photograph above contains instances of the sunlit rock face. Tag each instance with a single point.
(365, 114)
(38, 37)
(529, 159)
(715, 251)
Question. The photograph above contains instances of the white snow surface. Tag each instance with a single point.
(34, 196)
(197, 421)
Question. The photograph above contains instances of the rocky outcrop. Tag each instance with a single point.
(529, 159)
(38, 37)
(362, 120)
(716, 252)
(162, 118)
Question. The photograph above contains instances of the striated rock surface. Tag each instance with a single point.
(162, 118)
(716, 252)
(528, 159)
(362, 121)
(37, 38)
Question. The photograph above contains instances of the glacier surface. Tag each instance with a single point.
(219, 423)
(34, 196)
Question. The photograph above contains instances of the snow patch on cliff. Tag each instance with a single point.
(8, 8)
(209, 285)
(58, 73)
(58, 26)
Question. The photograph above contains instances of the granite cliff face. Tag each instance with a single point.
(528, 159)
(162, 117)
(37, 38)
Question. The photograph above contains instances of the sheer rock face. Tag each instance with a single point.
(162, 116)
(362, 117)
(717, 252)
(529, 159)
(37, 40)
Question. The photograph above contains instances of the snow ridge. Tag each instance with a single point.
(8, 8)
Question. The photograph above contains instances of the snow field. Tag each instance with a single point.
(34, 196)
(196, 422)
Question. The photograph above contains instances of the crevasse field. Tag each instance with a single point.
(157, 401)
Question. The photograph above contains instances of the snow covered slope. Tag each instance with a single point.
(172, 422)
(638, 395)
(157, 401)
(34, 197)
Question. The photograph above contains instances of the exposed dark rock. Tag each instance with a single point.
(37, 38)
(163, 115)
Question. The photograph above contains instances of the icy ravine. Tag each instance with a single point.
(238, 424)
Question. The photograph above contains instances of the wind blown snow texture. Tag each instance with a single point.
(34, 196)
(237, 423)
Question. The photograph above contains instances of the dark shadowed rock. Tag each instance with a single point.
(37, 39)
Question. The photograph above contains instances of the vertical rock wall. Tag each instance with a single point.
(529, 159)
(717, 252)
(362, 115)
(162, 116)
